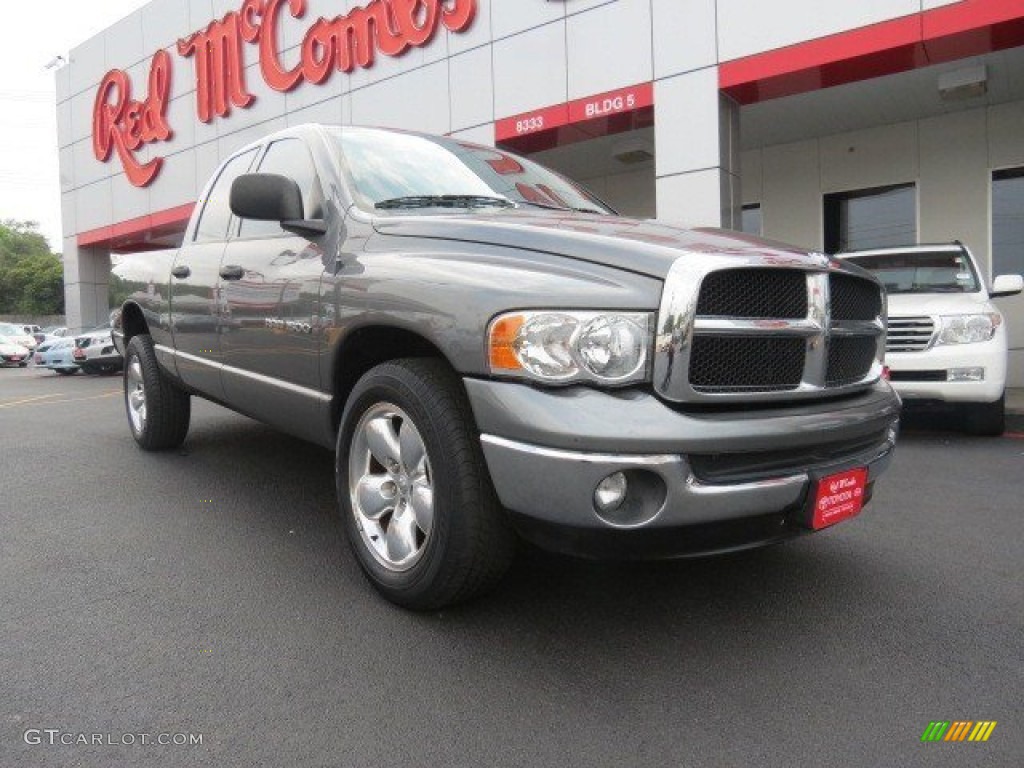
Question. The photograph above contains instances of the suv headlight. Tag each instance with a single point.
(562, 347)
(967, 329)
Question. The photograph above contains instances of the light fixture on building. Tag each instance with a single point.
(56, 62)
(961, 84)
(633, 151)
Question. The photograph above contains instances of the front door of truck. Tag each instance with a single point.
(196, 286)
(270, 293)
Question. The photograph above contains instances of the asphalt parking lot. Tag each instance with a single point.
(208, 592)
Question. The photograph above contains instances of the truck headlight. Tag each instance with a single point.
(561, 347)
(968, 329)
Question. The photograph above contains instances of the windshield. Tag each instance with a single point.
(7, 329)
(394, 168)
(922, 272)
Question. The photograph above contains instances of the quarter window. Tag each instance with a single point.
(288, 157)
(213, 221)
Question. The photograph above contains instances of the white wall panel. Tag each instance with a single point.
(68, 218)
(86, 168)
(128, 202)
(684, 35)
(176, 184)
(181, 116)
(62, 79)
(472, 88)
(791, 208)
(87, 64)
(94, 205)
(308, 94)
(200, 13)
(745, 27)
(207, 158)
(686, 126)
(873, 157)
(953, 197)
(163, 23)
(64, 132)
(66, 163)
(929, 4)
(414, 101)
(1006, 135)
(530, 70)
(231, 143)
(481, 134)
(479, 32)
(623, 27)
(81, 106)
(509, 17)
(691, 199)
(328, 112)
(124, 43)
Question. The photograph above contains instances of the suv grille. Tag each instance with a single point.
(766, 332)
(909, 334)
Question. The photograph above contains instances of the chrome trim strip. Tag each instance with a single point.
(258, 377)
(698, 488)
(724, 326)
(593, 458)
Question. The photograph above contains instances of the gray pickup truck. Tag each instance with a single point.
(491, 351)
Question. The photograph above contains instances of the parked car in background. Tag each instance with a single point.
(17, 335)
(12, 353)
(58, 331)
(57, 354)
(947, 341)
(95, 351)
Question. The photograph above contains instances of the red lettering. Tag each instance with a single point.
(277, 77)
(220, 65)
(121, 124)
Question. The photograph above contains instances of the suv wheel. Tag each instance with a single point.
(158, 412)
(416, 500)
(985, 418)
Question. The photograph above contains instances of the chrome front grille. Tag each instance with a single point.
(910, 334)
(766, 327)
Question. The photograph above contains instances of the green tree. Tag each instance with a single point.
(31, 275)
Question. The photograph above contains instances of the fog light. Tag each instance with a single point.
(965, 374)
(610, 493)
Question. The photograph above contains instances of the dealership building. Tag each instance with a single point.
(829, 124)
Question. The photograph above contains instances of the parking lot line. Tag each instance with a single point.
(25, 400)
(36, 400)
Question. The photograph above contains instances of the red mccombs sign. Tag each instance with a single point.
(122, 124)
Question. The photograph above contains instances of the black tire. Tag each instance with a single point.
(470, 543)
(23, 365)
(985, 419)
(88, 370)
(67, 371)
(167, 409)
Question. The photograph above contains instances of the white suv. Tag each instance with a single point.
(946, 339)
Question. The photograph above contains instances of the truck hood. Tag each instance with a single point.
(911, 304)
(643, 246)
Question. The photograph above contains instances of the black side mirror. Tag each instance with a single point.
(266, 197)
(271, 197)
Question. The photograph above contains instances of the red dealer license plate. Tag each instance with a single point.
(840, 496)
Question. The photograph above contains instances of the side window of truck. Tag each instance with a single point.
(213, 221)
(291, 158)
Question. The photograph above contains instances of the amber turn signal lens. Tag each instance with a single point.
(503, 335)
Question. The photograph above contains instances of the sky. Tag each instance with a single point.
(35, 33)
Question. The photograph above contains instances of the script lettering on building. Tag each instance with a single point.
(218, 53)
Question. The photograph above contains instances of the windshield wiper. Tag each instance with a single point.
(553, 207)
(445, 201)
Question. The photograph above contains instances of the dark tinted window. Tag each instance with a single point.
(1008, 222)
(288, 157)
(213, 222)
(751, 219)
(871, 218)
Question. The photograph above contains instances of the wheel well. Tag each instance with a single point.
(370, 346)
(132, 322)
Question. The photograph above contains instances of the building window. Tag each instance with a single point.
(871, 218)
(1008, 222)
(750, 219)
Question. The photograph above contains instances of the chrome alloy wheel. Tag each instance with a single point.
(136, 395)
(390, 486)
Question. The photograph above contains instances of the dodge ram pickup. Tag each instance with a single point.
(491, 351)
